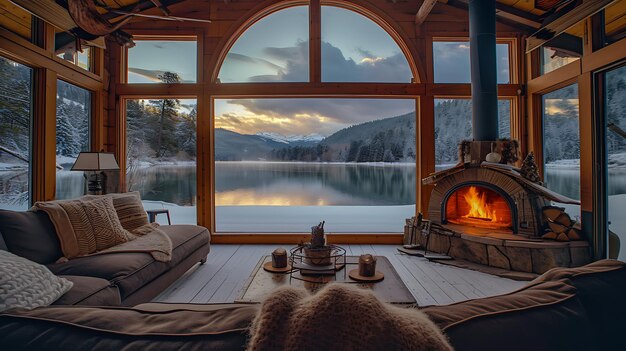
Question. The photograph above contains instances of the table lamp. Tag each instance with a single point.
(95, 162)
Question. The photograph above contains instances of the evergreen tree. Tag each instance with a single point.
(164, 140)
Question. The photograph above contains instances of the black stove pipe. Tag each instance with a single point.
(482, 20)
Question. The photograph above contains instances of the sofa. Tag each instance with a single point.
(112, 279)
(564, 309)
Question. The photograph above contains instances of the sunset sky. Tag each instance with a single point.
(275, 49)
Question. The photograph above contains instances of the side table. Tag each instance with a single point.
(153, 213)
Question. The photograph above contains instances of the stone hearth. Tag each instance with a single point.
(504, 250)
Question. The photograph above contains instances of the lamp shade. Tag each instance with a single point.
(95, 161)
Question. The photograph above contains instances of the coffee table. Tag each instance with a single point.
(391, 289)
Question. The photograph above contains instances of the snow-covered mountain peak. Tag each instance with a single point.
(287, 139)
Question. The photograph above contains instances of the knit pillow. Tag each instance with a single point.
(95, 224)
(129, 209)
(26, 284)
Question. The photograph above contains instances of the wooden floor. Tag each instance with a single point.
(228, 267)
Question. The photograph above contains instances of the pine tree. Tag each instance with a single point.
(529, 169)
(164, 140)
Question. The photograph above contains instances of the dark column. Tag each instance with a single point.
(482, 19)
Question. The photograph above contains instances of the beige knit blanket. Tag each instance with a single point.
(340, 317)
(91, 227)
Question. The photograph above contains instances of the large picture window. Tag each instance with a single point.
(561, 141)
(73, 116)
(282, 165)
(161, 155)
(15, 134)
(615, 115)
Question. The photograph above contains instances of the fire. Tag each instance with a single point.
(478, 206)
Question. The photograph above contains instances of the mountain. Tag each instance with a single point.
(232, 146)
(292, 140)
(389, 139)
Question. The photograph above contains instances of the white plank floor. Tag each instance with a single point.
(228, 267)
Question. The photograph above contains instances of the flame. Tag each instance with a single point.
(479, 208)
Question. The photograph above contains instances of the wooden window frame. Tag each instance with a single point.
(207, 89)
(47, 69)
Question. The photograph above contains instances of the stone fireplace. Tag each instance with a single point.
(489, 214)
(486, 198)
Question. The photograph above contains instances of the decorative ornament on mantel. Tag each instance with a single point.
(493, 156)
(529, 169)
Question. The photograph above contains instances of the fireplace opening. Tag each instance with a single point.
(478, 206)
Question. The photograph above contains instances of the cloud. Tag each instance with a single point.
(322, 116)
(306, 116)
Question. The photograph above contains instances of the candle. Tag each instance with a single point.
(367, 265)
(279, 258)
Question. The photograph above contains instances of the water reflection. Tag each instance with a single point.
(313, 184)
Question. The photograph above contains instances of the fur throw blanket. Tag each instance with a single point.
(340, 317)
(92, 227)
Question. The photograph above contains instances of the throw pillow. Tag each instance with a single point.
(129, 209)
(104, 224)
(30, 234)
(26, 284)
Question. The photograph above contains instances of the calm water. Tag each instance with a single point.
(303, 184)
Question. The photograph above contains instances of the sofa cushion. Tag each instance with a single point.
(600, 286)
(544, 316)
(185, 240)
(90, 291)
(109, 328)
(27, 284)
(131, 271)
(129, 209)
(30, 234)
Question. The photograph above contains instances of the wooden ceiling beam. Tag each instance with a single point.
(161, 7)
(139, 7)
(424, 10)
(525, 21)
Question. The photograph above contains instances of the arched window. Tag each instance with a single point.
(284, 163)
(354, 48)
(273, 49)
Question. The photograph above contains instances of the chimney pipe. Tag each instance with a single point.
(482, 28)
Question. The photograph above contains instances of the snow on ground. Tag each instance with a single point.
(4, 166)
(615, 161)
(294, 219)
(178, 214)
(299, 219)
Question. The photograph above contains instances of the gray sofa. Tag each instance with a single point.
(113, 279)
(569, 309)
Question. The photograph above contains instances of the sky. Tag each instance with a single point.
(276, 49)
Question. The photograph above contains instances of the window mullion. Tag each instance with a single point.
(315, 42)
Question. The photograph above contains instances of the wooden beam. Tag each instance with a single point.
(526, 23)
(161, 7)
(424, 10)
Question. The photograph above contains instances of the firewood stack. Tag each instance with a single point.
(561, 227)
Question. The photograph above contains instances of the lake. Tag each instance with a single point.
(268, 196)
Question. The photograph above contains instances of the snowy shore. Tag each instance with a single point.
(294, 219)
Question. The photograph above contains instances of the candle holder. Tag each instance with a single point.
(279, 258)
(366, 272)
(367, 265)
(279, 262)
